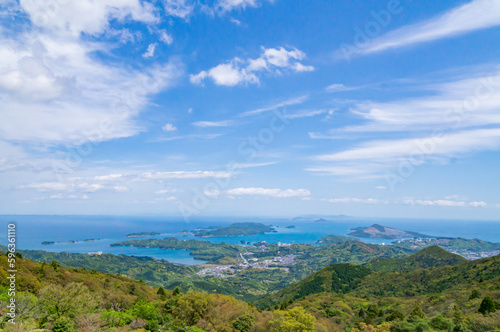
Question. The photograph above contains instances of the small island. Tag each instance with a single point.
(334, 239)
(141, 234)
(376, 231)
(238, 229)
(48, 242)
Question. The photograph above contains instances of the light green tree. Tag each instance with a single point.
(293, 320)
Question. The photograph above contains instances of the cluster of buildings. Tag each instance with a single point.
(471, 255)
(226, 271)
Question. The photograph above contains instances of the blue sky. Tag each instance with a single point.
(250, 107)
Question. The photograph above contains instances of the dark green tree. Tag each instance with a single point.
(487, 306)
(416, 314)
(64, 324)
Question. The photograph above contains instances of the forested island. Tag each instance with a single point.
(376, 231)
(237, 229)
(142, 234)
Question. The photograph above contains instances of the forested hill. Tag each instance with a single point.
(429, 257)
(359, 280)
(347, 298)
(338, 278)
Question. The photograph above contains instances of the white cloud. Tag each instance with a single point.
(443, 203)
(228, 5)
(179, 8)
(277, 193)
(169, 127)
(72, 186)
(150, 51)
(87, 16)
(110, 177)
(461, 116)
(475, 15)
(289, 102)
(459, 103)
(204, 124)
(165, 37)
(306, 114)
(251, 165)
(356, 200)
(439, 145)
(338, 87)
(212, 193)
(238, 71)
(186, 175)
(166, 191)
(53, 89)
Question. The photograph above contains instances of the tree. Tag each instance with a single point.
(487, 306)
(244, 322)
(395, 315)
(474, 295)
(64, 324)
(54, 265)
(161, 292)
(416, 314)
(293, 320)
(67, 301)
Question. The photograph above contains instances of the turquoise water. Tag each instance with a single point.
(32, 230)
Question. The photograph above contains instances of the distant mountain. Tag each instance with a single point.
(334, 239)
(237, 229)
(429, 257)
(376, 231)
(338, 278)
(326, 218)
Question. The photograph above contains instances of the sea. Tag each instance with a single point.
(102, 231)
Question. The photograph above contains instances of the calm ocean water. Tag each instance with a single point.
(32, 230)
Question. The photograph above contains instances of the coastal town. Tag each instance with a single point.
(244, 262)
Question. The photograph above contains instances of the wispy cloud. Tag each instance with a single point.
(229, 5)
(289, 102)
(204, 124)
(444, 203)
(186, 175)
(54, 90)
(356, 200)
(307, 114)
(179, 8)
(338, 87)
(150, 51)
(277, 193)
(169, 127)
(475, 15)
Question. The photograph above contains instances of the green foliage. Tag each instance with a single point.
(432, 256)
(64, 324)
(237, 229)
(244, 322)
(67, 301)
(487, 306)
(294, 320)
(334, 278)
(474, 295)
(395, 315)
(442, 323)
(416, 314)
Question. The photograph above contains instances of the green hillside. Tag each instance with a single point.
(343, 297)
(338, 278)
(429, 257)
